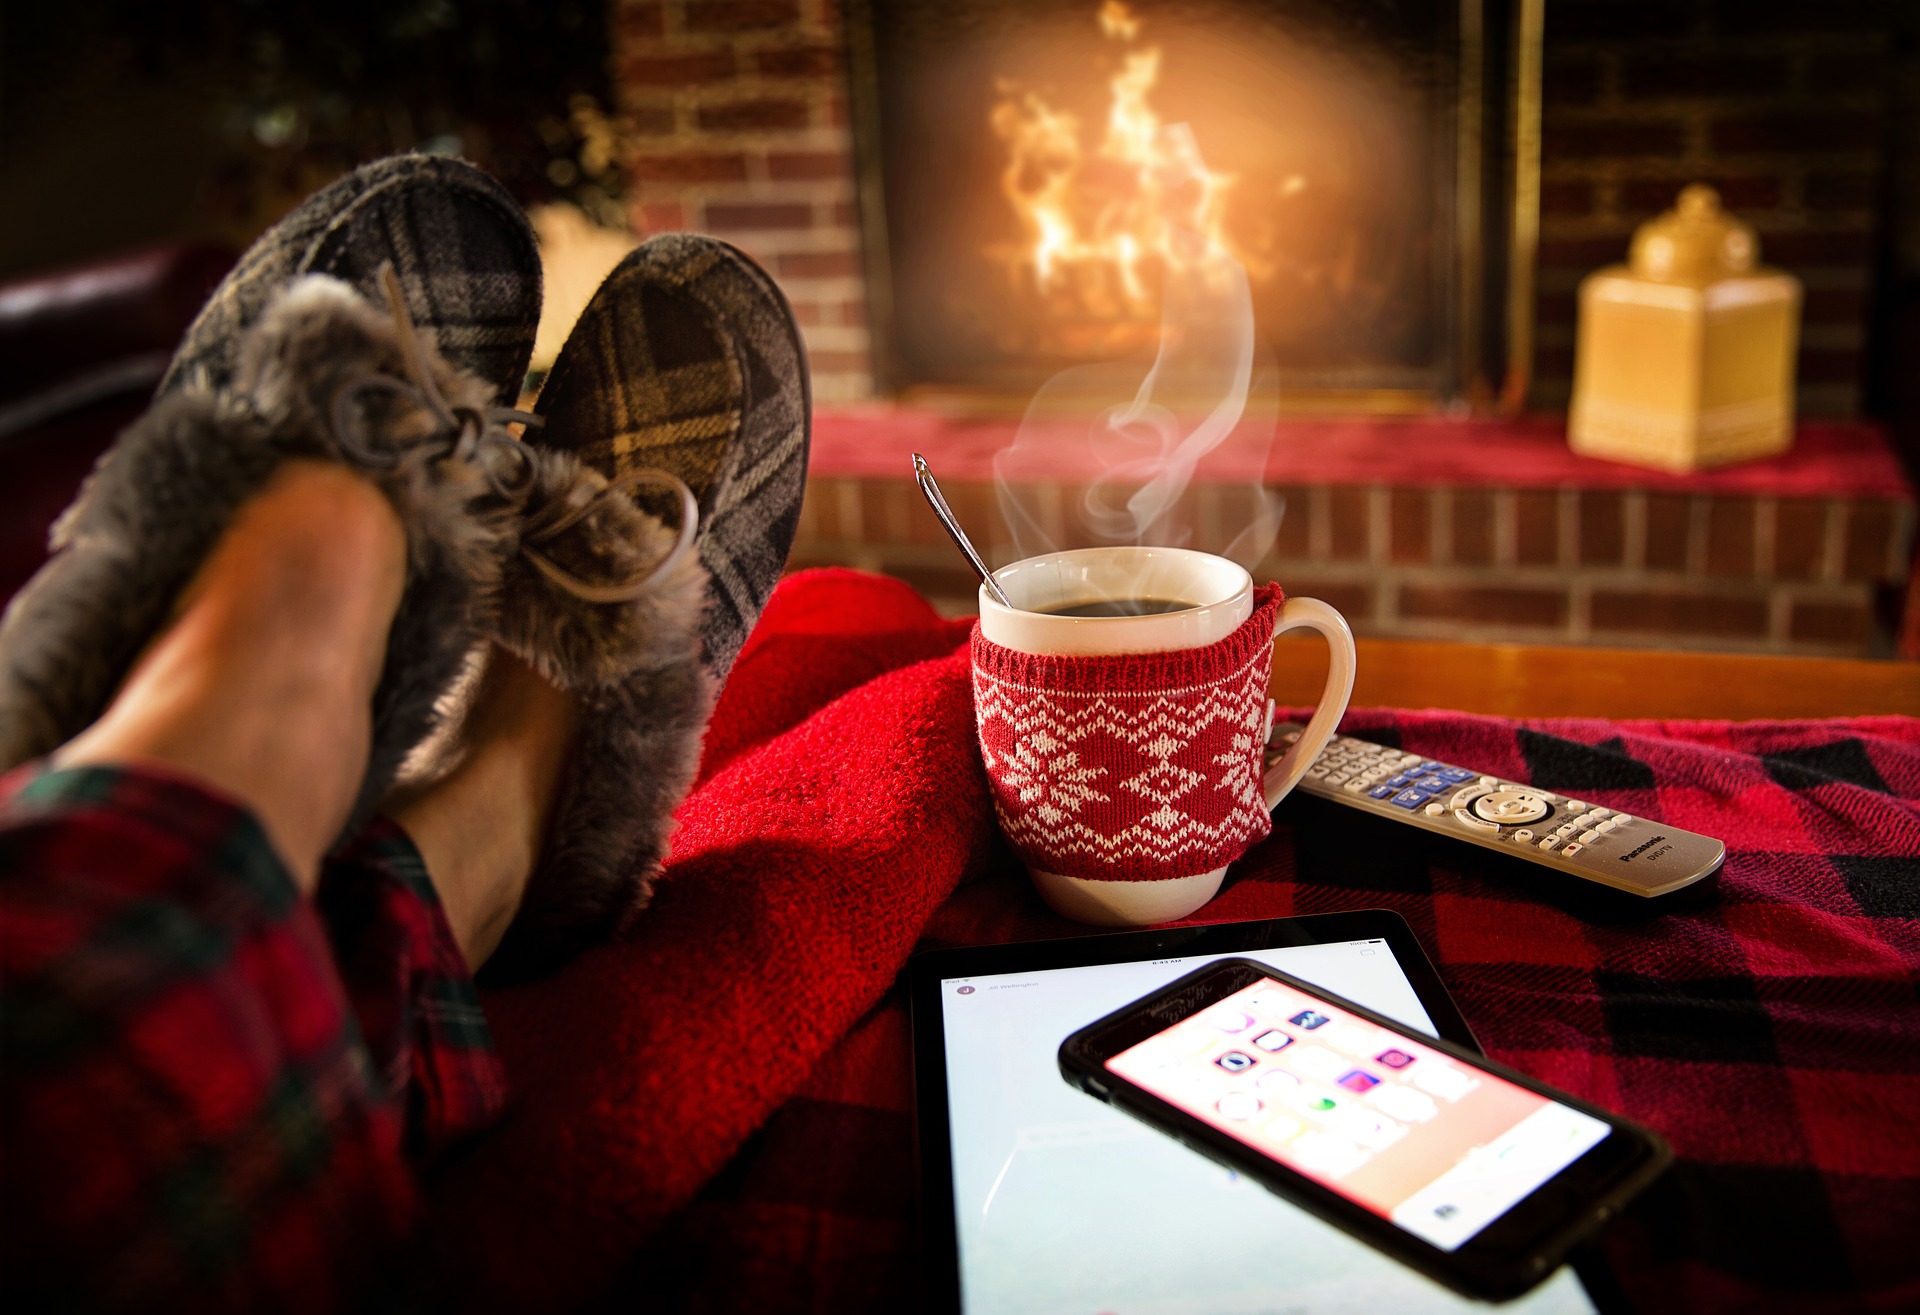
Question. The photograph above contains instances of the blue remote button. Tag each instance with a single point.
(1457, 774)
(1382, 791)
(1397, 781)
(1411, 798)
(1435, 782)
(1431, 767)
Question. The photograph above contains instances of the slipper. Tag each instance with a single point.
(324, 375)
(685, 379)
(465, 273)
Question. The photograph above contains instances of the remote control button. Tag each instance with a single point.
(1550, 842)
(1456, 774)
(1336, 778)
(1588, 837)
(1511, 807)
(1411, 799)
(1607, 826)
(1356, 786)
(1434, 782)
(1522, 836)
(1571, 850)
(1461, 798)
(1490, 781)
(1567, 830)
(1409, 760)
(1381, 792)
(1436, 810)
(1291, 737)
(1316, 772)
(1398, 781)
(1465, 818)
(1575, 806)
(1622, 818)
(1597, 813)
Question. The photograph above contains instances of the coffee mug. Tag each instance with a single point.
(1125, 751)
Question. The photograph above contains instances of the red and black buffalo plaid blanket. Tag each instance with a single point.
(716, 1115)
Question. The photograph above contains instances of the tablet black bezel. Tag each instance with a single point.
(940, 1244)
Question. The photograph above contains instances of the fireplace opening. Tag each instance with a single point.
(1035, 175)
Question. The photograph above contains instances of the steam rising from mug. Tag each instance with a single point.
(1157, 426)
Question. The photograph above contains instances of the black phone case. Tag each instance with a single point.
(1475, 1273)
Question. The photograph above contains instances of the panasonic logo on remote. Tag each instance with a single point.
(1643, 848)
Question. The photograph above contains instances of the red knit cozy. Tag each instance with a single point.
(1135, 767)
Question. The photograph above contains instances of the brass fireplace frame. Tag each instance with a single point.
(1496, 140)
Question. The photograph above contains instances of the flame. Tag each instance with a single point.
(1097, 237)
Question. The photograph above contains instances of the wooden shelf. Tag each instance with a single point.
(1537, 680)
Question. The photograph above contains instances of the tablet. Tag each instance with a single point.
(1038, 1198)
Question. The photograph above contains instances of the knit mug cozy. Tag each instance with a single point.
(1133, 766)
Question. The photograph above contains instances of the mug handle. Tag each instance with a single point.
(1312, 614)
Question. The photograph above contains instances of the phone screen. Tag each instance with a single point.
(1437, 1146)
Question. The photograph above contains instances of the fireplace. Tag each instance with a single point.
(1041, 179)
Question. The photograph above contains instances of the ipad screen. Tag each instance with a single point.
(1063, 1204)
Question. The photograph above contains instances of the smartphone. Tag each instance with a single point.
(1474, 1174)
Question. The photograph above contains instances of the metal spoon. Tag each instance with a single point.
(924, 477)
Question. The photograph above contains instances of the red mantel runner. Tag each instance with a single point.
(1830, 459)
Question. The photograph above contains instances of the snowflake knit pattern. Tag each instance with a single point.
(1134, 767)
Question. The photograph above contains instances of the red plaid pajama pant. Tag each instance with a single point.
(213, 1091)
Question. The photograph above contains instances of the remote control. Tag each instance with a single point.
(1599, 844)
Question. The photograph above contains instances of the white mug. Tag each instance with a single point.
(1220, 598)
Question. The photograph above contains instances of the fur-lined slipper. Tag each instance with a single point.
(685, 378)
(325, 375)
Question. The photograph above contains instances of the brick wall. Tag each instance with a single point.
(734, 114)
(1781, 104)
(1624, 567)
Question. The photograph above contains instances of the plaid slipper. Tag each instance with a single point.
(685, 376)
(464, 253)
(462, 273)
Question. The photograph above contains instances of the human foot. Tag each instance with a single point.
(262, 683)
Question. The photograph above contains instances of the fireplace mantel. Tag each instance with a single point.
(1455, 528)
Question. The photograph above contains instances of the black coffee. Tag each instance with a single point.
(1120, 607)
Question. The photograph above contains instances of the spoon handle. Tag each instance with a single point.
(924, 476)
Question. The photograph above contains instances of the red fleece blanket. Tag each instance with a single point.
(716, 1114)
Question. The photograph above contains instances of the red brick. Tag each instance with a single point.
(818, 264)
(1351, 599)
(662, 217)
(1295, 539)
(853, 313)
(1473, 527)
(1679, 616)
(1569, 199)
(1410, 526)
(846, 214)
(648, 121)
(1829, 365)
(1592, 141)
(1536, 527)
(1849, 623)
(1497, 604)
(1718, 74)
(1615, 20)
(1603, 532)
(1870, 528)
(740, 15)
(798, 166)
(753, 115)
(1667, 519)
(1745, 192)
(641, 22)
(683, 70)
(1349, 514)
(1799, 538)
(688, 168)
(1730, 535)
(799, 62)
(1850, 247)
(1570, 79)
(1852, 189)
(809, 313)
(752, 216)
(1799, 131)
(834, 112)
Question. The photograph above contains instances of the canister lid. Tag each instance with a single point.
(1695, 243)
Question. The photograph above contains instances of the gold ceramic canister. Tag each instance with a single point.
(1685, 354)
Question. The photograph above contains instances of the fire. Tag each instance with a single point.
(1101, 233)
